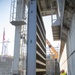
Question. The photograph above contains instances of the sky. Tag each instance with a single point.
(5, 23)
(49, 35)
(5, 6)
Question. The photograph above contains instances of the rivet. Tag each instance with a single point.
(31, 11)
(30, 41)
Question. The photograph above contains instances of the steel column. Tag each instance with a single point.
(31, 43)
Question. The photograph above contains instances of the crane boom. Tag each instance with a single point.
(52, 48)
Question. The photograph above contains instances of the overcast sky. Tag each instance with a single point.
(5, 23)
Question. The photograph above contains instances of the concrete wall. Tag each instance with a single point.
(6, 65)
(71, 48)
(63, 60)
(67, 61)
(50, 66)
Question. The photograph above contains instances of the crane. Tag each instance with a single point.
(52, 49)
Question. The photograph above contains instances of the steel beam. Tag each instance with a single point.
(31, 41)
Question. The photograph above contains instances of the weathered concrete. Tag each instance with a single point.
(52, 66)
(71, 48)
(67, 61)
(6, 65)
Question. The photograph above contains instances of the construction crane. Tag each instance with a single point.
(52, 49)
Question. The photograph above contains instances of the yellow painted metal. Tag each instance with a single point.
(52, 49)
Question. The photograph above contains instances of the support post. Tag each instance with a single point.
(31, 43)
(16, 51)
